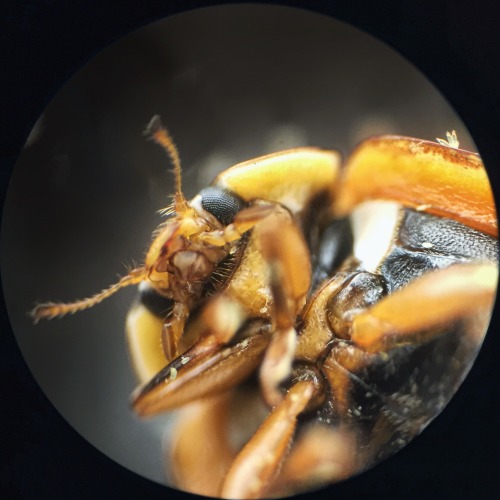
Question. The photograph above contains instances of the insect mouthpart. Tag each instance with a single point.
(191, 266)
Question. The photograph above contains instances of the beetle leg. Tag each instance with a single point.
(194, 375)
(245, 220)
(172, 330)
(289, 285)
(339, 367)
(321, 454)
(193, 467)
(457, 292)
(277, 364)
(154, 342)
(259, 461)
(223, 424)
(208, 367)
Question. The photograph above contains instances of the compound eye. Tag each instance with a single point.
(221, 203)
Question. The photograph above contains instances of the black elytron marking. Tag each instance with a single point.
(402, 265)
(221, 203)
(427, 242)
(422, 231)
(332, 248)
(157, 304)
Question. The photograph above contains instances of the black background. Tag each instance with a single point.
(455, 44)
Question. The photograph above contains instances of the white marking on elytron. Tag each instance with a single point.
(373, 226)
(423, 208)
(427, 244)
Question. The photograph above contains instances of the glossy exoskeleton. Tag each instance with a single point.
(309, 320)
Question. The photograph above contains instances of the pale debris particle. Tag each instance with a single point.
(451, 140)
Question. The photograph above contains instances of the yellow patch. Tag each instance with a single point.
(290, 177)
(144, 341)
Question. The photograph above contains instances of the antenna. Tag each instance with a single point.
(158, 133)
(51, 310)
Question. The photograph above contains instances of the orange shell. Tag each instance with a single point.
(290, 177)
(420, 174)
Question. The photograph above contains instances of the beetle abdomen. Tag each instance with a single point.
(425, 242)
(425, 232)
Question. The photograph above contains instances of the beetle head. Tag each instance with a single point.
(177, 262)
